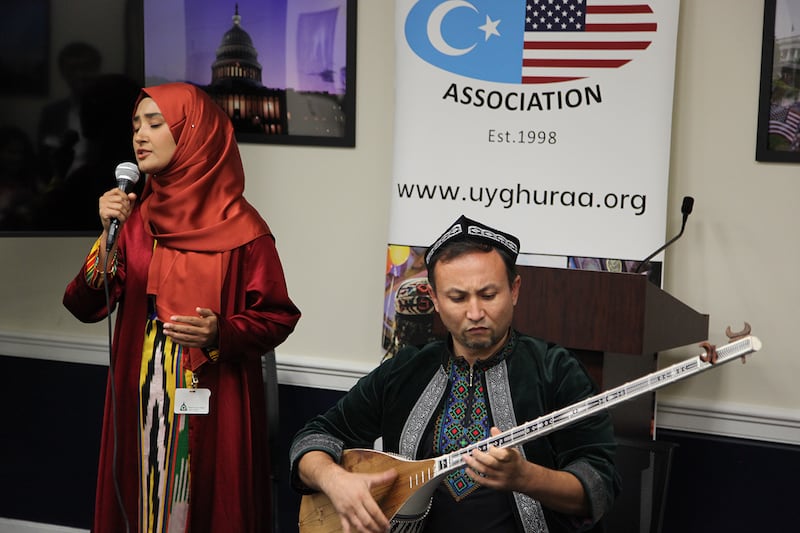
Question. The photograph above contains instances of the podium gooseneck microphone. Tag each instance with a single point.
(686, 210)
(127, 176)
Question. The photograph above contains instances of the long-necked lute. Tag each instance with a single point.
(406, 500)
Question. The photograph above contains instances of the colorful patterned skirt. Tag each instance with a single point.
(163, 436)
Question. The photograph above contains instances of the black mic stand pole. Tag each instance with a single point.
(686, 210)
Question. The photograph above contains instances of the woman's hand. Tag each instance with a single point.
(201, 331)
(115, 204)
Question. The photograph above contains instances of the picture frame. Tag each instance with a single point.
(778, 133)
(284, 71)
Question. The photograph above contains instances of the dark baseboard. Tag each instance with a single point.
(730, 485)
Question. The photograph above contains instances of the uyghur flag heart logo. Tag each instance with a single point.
(529, 41)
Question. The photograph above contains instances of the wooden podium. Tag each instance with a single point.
(614, 322)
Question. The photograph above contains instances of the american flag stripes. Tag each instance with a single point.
(784, 122)
(571, 39)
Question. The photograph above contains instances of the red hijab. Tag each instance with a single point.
(194, 207)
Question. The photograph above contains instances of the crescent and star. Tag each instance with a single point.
(435, 27)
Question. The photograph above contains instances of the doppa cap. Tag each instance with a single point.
(465, 229)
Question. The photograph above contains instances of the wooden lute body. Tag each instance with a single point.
(410, 492)
(407, 498)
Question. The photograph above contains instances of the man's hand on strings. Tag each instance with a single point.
(497, 468)
(351, 497)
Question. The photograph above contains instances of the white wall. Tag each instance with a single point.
(329, 210)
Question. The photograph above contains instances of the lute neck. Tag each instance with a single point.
(568, 415)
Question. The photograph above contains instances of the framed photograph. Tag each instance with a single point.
(778, 136)
(283, 70)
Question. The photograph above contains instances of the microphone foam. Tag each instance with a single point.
(127, 171)
(688, 204)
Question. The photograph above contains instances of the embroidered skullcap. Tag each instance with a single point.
(414, 298)
(413, 318)
(465, 229)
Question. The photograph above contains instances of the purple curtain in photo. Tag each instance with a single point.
(316, 33)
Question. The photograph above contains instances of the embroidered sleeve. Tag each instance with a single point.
(94, 270)
(312, 442)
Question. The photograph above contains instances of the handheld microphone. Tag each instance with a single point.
(127, 176)
(686, 210)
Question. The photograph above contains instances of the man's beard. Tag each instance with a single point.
(475, 344)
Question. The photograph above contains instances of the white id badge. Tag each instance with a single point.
(192, 401)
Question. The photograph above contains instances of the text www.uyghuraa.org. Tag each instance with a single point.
(508, 197)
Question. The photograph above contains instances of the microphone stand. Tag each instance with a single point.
(686, 210)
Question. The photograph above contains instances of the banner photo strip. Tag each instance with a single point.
(548, 119)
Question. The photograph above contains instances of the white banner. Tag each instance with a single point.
(549, 119)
